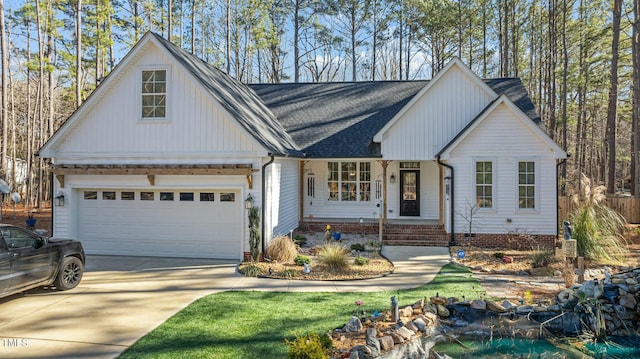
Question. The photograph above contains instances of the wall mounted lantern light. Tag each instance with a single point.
(248, 203)
(60, 199)
(392, 179)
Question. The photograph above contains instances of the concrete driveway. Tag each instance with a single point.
(120, 299)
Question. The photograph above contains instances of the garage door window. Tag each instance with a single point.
(186, 196)
(166, 196)
(207, 197)
(90, 195)
(127, 196)
(146, 196)
(227, 197)
(109, 196)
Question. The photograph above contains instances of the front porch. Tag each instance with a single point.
(397, 232)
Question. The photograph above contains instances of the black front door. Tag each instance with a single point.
(409, 193)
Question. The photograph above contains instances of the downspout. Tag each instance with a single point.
(263, 201)
(557, 203)
(452, 240)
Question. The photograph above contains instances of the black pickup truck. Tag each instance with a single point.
(28, 260)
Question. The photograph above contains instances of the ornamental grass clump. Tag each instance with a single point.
(597, 229)
(282, 249)
(334, 257)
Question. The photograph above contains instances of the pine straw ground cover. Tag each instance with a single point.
(371, 264)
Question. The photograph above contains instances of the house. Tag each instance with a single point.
(166, 154)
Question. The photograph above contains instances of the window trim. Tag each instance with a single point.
(493, 182)
(357, 182)
(536, 185)
(167, 94)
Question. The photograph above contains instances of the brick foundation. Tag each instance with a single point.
(435, 235)
(507, 240)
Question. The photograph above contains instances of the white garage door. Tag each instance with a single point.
(164, 223)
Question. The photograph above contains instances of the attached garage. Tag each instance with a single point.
(204, 223)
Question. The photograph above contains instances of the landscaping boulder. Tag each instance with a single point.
(354, 326)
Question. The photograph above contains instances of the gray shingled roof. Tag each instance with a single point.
(333, 120)
(239, 100)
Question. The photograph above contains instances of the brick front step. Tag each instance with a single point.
(415, 235)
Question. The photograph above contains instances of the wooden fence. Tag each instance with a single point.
(628, 207)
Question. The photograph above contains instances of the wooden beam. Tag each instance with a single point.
(152, 179)
(60, 179)
(225, 169)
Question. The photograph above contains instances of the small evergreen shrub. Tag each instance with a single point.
(361, 261)
(333, 256)
(357, 247)
(282, 249)
(302, 260)
(498, 255)
(309, 346)
(300, 240)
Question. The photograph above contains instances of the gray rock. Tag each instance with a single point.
(628, 301)
(495, 307)
(372, 340)
(420, 324)
(478, 304)
(459, 323)
(397, 338)
(405, 333)
(386, 343)
(443, 312)
(354, 326)
(411, 326)
(508, 305)
(524, 309)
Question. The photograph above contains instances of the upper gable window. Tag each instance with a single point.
(154, 94)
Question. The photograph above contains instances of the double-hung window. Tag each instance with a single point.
(484, 184)
(527, 185)
(154, 94)
(349, 181)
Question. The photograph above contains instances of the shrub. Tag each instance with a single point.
(597, 229)
(300, 240)
(302, 260)
(498, 255)
(310, 346)
(357, 247)
(251, 270)
(333, 256)
(542, 258)
(361, 261)
(288, 273)
(282, 249)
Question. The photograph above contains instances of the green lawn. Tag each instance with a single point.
(239, 324)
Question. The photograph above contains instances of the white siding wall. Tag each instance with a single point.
(196, 128)
(436, 118)
(505, 141)
(319, 207)
(282, 186)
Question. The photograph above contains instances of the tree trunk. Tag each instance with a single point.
(78, 53)
(613, 99)
(635, 122)
(5, 112)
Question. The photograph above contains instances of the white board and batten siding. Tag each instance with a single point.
(436, 117)
(505, 141)
(316, 202)
(110, 128)
(282, 188)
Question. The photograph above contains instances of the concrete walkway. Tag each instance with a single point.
(121, 299)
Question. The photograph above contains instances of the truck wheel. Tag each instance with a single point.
(70, 273)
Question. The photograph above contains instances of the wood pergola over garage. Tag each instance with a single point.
(126, 218)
